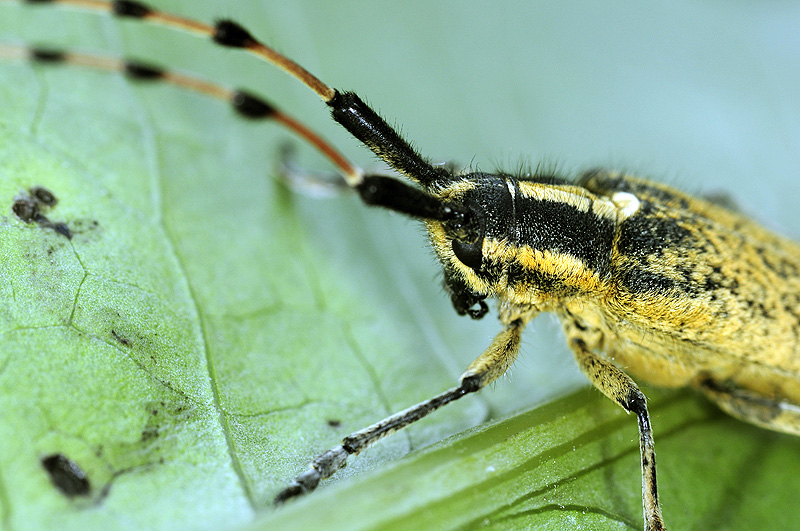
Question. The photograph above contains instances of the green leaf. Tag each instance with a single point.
(571, 464)
(205, 332)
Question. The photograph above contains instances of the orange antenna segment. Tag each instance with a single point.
(244, 103)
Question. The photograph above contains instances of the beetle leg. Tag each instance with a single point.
(619, 387)
(491, 364)
(755, 408)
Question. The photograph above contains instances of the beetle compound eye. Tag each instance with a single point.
(470, 254)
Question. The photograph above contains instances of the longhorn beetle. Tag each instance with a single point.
(646, 280)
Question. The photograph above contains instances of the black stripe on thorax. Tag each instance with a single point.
(562, 224)
(564, 228)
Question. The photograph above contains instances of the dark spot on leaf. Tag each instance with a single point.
(25, 209)
(61, 228)
(149, 433)
(334, 423)
(43, 195)
(29, 208)
(125, 342)
(163, 416)
(66, 475)
(82, 226)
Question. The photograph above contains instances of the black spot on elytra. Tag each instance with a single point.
(638, 280)
(648, 234)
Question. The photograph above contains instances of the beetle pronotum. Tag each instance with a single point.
(626, 200)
